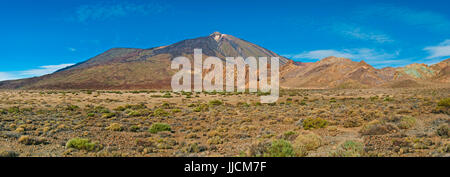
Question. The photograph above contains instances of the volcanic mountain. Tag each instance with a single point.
(129, 68)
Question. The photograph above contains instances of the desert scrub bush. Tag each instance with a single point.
(280, 148)
(333, 100)
(302, 103)
(215, 140)
(407, 122)
(136, 106)
(134, 128)
(83, 144)
(349, 149)
(100, 109)
(201, 108)
(14, 110)
(115, 127)
(314, 123)
(309, 141)
(27, 140)
(120, 108)
(243, 104)
(443, 131)
(108, 115)
(137, 113)
(8, 154)
(155, 96)
(167, 95)
(388, 99)
(289, 135)
(160, 113)
(176, 110)
(194, 148)
(3, 111)
(159, 127)
(377, 127)
(444, 102)
(166, 106)
(20, 130)
(215, 102)
(353, 122)
(71, 107)
(257, 104)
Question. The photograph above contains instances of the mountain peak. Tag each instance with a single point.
(217, 36)
(215, 33)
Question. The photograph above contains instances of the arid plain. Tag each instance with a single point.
(322, 122)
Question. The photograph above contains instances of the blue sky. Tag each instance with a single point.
(39, 37)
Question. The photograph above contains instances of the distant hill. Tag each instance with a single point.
(334, 72)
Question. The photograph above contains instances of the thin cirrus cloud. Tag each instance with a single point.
(374, 57)
(357, 32)
(40, 71)
(110, 10)
(439, 51)
(421, 18)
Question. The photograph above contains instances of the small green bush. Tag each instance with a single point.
(215, 140)
(72, 107)
(108, 115)
(167, 95)
(9, 154)
(200, 108)
(309, 141)
(444, 102)
(443, 131)
(407, 122)
(280, 148)
(349, 149)
(159, 127)
(314, 123)
(137, 113)
(176, 110)
(14, 110)
(160, 113)
(115, 127)
(83, 144)
(333, 100)
(134, 128)
(135, 107)
(215, 102)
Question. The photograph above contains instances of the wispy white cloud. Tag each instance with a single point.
(439, 51)
(42, 70)
(359, 54)
(6, 76)
(72, 49)
(109, 10)
(358, 32)
(426, 19)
